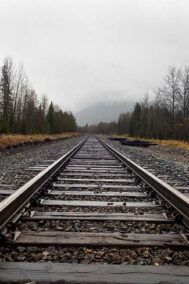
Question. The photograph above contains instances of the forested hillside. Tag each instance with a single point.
(21, 109)
(164, 117)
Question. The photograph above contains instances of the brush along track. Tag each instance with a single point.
(95, 207)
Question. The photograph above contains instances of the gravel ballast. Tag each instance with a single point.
(90, 255)
(170, 164)
(14, 166)
(15, 171)
(101, 226)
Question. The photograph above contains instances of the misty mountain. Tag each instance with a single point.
(105, 111)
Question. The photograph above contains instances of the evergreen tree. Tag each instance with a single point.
(134, 128)
(50, 118)
(6, 98)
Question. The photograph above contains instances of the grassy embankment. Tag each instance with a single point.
(167, 143)
(15, 139)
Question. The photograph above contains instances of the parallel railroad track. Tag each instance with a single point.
(94, 216)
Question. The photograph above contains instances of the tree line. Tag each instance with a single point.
(21, 109)
(166, 116)
(101, 128)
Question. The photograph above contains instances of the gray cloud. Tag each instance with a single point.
(80, 52)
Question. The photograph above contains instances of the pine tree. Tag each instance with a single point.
(50, 118)
(6, 98)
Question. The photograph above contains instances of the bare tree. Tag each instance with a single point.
(44, 109)
(171, 90)
(20, 82)
(184, 92)
(44, 104)
(20, 109)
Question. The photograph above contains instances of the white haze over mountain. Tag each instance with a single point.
(105, 111)
(85, 52)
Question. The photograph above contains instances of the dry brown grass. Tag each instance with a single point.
(167, 143)
(172, 143)
(14, 139)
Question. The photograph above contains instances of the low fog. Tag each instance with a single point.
(84, 52)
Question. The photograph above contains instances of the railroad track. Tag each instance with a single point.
(94, 216)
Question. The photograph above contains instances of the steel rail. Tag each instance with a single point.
(13, 205)
(171, 195)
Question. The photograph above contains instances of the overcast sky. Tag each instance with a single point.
(80, 52)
